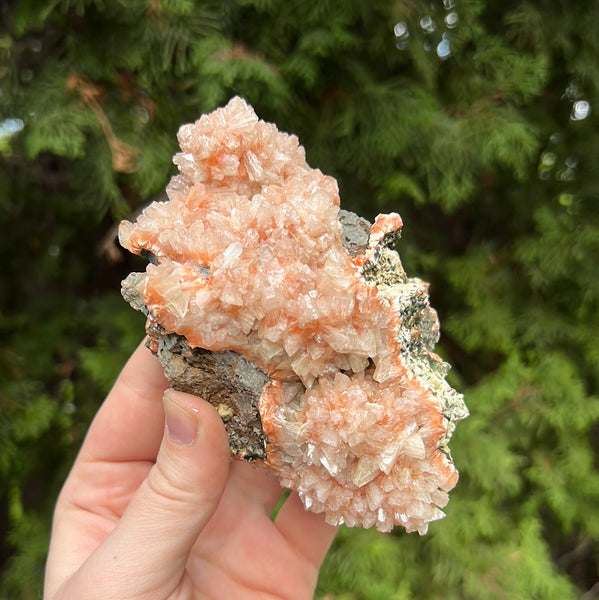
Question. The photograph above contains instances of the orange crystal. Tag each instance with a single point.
(249, 257)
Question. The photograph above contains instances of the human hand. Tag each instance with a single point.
(156, 513)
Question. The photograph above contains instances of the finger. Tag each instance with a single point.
(129, 425)
(116, 456)
(147, 551)
(306, 531)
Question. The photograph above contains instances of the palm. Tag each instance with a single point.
(246, 553)
(240, 554)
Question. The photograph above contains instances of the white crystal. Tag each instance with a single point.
(366, 470)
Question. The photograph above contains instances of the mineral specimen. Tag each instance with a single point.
(298, 322)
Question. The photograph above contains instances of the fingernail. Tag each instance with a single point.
(181, 423)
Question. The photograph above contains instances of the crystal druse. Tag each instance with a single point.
(296, 320)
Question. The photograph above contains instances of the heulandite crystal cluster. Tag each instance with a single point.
(298, 322)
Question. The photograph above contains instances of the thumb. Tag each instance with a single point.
(147, 551)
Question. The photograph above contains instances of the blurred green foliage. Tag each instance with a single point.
(475, 119)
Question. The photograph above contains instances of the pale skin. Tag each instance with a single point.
(150, 512)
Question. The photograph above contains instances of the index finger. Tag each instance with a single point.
(130, 423)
